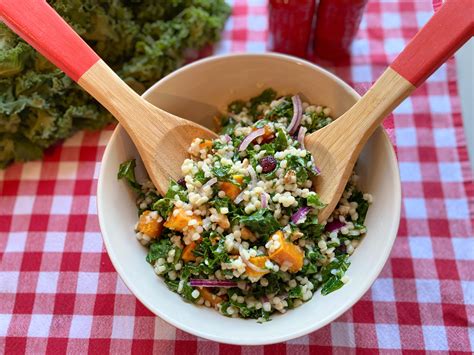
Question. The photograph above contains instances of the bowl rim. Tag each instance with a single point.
(306, 329)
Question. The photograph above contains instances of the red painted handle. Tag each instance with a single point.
(449, 28)
(40, 25)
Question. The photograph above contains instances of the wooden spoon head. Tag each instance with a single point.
(163, 146)
(335, 157)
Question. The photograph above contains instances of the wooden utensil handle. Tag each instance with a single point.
(449, 28)
(40, 25)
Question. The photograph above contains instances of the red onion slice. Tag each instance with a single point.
(239, 198)
(301, 134)
(316, 169)
(209, 183)
(227, 138)
(334, 225)
(247, 262)
(299, 216)
(247, 140)
(263, 199)
(253, 175)
(297, 114)
(212, 283)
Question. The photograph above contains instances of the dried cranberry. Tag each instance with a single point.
(181, 182)
(341, 249)
(268, 164)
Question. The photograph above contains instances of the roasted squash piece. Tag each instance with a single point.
(287, 254)
(223, 221)
(207, 295)
(188, 254)
(267, 135)
(178, 220)
(246, 234)
(149, 225)
(238, 178)
(231, 190)
(258, 261)
(205, 144)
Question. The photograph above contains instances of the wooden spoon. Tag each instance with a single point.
(337, 146)
(162, 139)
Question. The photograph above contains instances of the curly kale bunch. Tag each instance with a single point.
(142, 40)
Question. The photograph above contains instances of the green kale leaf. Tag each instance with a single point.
(313, 200)
(262, 222)
(163, 206)
(281, 140)
(159, 249)
(296, 292)
(300, 166)
(236, 107)
(332, 274)
(267, 96)
(283, 109)
(362, 206)
(311, 228)
(176, 189)
(212, 255)
(318, 121)
(221, 172)
(127, 172)
(228, 126)
(219, 203)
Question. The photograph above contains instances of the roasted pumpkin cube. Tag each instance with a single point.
(287, 254)
(246, 234)
(231, 190)
(207, 295)
(150, 224)
(178, 220)
(267, 135)
(258, 261)
(205, 144)
(223, 221)
(238, 178)
(188, 254)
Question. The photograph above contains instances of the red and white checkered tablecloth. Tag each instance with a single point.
(59, 291)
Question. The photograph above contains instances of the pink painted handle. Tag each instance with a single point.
(449, 28)
(41, 26)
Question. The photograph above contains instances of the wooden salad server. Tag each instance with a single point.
(337, 146)
(162, 139)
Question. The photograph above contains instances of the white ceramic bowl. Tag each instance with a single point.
(197, 92)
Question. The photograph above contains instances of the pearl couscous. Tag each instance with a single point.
(239, 231)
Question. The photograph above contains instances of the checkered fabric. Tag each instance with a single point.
(59, 291)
